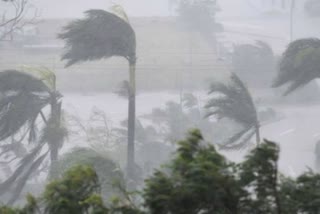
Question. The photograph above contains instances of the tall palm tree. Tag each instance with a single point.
(101, 35)
(23, 99)
(234, 101)
(299, 65)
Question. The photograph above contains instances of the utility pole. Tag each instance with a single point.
(291, 19)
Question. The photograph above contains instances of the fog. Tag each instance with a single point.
(128, 90)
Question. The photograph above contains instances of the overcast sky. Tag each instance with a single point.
(75, 8)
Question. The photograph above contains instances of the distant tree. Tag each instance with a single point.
(254, 63)
(103, 35)
(312, 8)
(199, 15)
(299, 65)
(233, 100)
(15, 15)
(174, 120)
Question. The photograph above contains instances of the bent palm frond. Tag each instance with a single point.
(99, 35)
(299, 65)
(22, 97)
(233, 100)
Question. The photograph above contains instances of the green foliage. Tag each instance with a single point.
(8, 210)
(73, 193)
(198, 178)
(301, 195)
(107, 171)
(76, 192)
(259, 173)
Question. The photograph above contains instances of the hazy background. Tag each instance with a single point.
(74, 8)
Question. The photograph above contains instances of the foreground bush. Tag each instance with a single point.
(197, 180)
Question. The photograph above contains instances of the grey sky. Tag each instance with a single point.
(74, 8)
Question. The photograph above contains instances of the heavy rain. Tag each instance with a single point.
(159, 106)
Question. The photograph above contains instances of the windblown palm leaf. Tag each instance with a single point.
(234, 101)
(23, 165)
(13, 80)
(22, 99)
(100, 35)
(299, 65)
(46, 75)
(24, 178)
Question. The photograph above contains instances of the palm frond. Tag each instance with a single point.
(44, 74)
(238, 141)
(99, 35)
(299, 64)
(19, 185)
(24, 164)
(13, 80)
(232, 100)
(18, 110)
(23, 97)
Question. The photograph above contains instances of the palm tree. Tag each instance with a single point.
(23, 99)
(234, 101)
(299, 65)
(102, 35)
(54, 132)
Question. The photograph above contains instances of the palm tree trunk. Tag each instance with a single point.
(56, 116)
(258, 140)
(131, 121)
